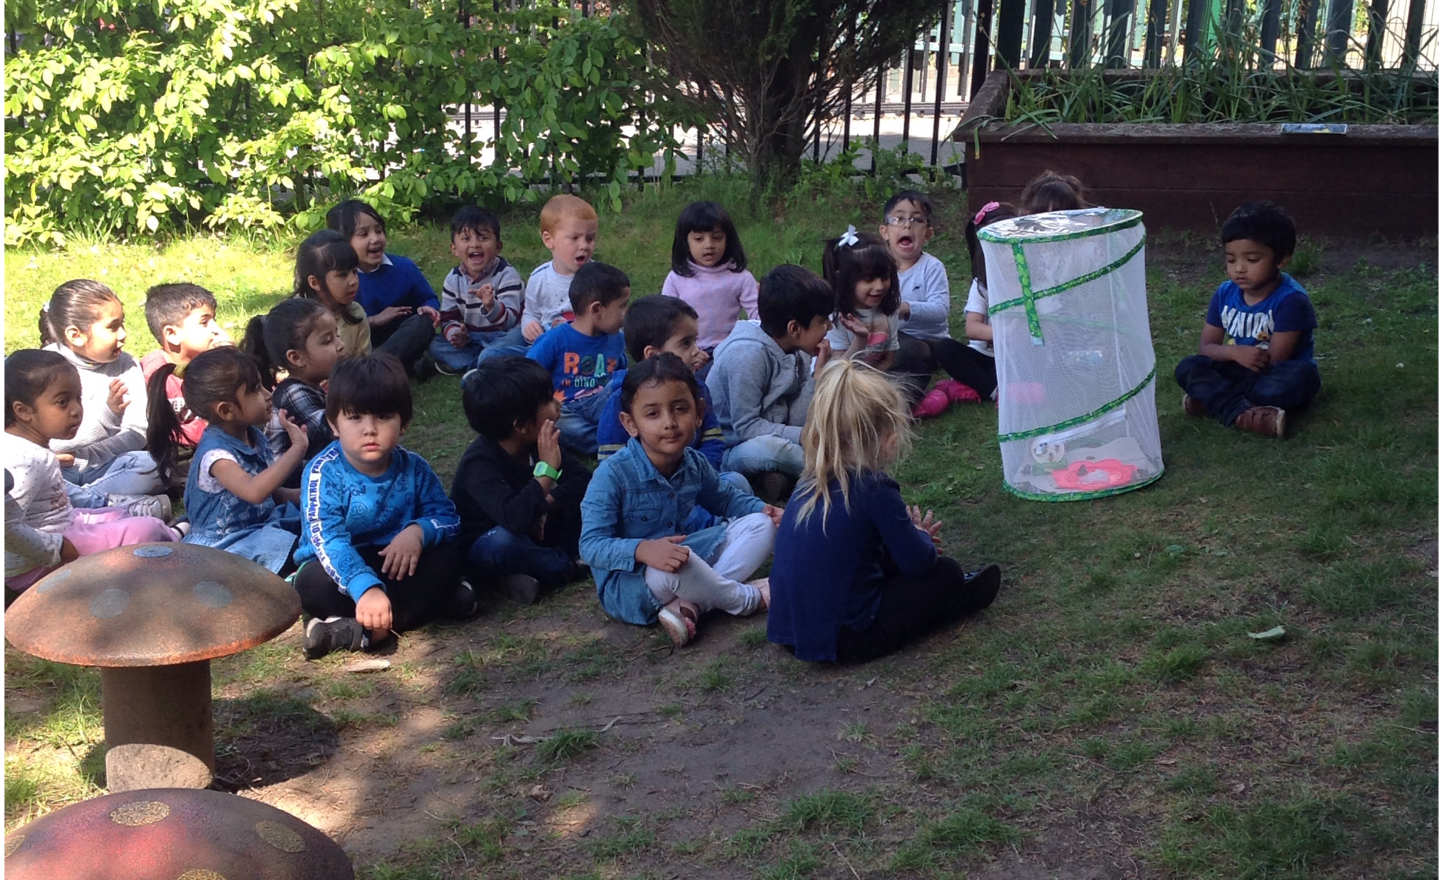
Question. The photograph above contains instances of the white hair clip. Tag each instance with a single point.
(849, 239)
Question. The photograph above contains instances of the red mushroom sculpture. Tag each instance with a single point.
(152, 616)
(172, 833)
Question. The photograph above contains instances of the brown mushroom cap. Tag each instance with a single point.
(172, 833)
(151, 605)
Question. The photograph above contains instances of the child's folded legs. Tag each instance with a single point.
(748, 542)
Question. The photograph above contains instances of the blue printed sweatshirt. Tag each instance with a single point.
(611, 435)
(397, 282)
(345, 510)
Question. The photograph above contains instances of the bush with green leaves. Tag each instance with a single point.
(126, 117)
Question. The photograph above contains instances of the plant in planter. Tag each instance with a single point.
(1346, 151)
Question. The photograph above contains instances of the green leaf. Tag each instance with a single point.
(1277, 632)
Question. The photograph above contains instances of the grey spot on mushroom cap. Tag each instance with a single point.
(152, 551)
(280, 837)
(137, 813)
(213, 595)
(54, 581)
(111, 603)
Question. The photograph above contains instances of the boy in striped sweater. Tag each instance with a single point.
(481, 298)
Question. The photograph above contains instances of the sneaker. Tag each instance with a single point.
(981, 587)
(1267, 421)
(332, 634)
(522, 589)
(1193, 407)
(425, 368)
(463, 601)
(445, 369)
(157, 506)
(931, 405)
(958, 392)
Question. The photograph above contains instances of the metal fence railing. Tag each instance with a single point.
(922, 95)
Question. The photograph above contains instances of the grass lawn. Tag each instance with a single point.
(1109, 716)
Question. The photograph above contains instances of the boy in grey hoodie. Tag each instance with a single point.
(761, 381)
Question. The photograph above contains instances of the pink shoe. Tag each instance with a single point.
(931, 405)
(957, 392)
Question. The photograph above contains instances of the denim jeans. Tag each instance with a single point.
(717, 583)
(760, 455)
(458, 360)
(130, 473)
(499, 552)
(1228, 389)
(578, 418)
(512, 341)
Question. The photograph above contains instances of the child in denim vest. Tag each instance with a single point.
(233, 493)
(632, 519)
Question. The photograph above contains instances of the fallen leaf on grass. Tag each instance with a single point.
(375, 664)
(540, 793)
(1273, 633)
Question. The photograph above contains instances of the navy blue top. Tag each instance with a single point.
(1287, 308)
(832, 575)
(397, 281)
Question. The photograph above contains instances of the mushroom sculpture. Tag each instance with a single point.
(172, 833)
(152, 616)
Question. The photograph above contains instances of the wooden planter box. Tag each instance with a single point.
(1373, 179)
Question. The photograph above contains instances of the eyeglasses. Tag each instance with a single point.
(906, 221)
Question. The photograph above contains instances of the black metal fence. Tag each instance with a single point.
(921, 96)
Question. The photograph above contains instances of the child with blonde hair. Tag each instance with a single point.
(857, 574)
(568, 226)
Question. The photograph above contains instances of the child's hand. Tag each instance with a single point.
(774, 513)
(458, 336)
(823, 353)
(432, 313)
(537, 532)
(666, 554)
(402, 554)
(486, 294)
(532, 331)
(116, 399)
(548, 444)
(66, 459)
(927, 523)
(373, 613)
(393, 313)
(68, 551)
(1252, 357)
(855, 326)
(298, 434)
(903, 311)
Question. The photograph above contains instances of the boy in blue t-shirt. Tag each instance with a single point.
(1257, 351)
(378, 551)
(582, 355)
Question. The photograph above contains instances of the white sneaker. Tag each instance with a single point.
(157, 506)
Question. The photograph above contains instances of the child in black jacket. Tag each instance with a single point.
(517, 492)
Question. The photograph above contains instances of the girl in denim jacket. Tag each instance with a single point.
(646, 569)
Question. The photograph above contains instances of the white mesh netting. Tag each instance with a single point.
(1073, 354)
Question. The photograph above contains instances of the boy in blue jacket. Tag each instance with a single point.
(378, 552)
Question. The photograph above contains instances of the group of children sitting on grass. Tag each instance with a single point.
(289, 446)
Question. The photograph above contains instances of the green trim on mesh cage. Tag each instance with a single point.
(1080, 420)
(1032, 315)
(1081, 496)
(989, 233)
(1027, 297)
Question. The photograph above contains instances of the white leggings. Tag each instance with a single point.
(709, 585)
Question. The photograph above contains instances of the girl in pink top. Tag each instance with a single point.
(707, 270)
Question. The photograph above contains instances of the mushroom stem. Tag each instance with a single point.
(159, 726)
